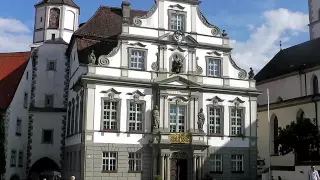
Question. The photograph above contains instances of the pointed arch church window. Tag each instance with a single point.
(54, 20)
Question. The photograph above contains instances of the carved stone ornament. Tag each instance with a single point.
(154, 66)
(215, 30)
(103, 60)
(180, 138)
(178, 36)
(242, 75)
(199, 70)
(156, 117)
(177, 64)
(92, 58)
(177, 6)
(137, 21)
(251, 74)
(201, 120)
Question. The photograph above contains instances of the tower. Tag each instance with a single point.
(55, 19)
(314, 18)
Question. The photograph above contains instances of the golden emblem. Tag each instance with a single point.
(180, 138)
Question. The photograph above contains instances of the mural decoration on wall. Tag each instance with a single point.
(54, 18)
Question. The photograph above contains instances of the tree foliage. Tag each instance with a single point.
(301, 137)
(2, 153)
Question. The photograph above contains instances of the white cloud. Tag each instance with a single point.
(14, 36)
(263, 42)
(251, 27)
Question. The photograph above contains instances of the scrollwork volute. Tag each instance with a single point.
(137, 21)
(103, 60)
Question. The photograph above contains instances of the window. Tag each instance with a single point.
(109, 161)
(177, 118)
(27, 75)
(25, 100)
(18, 127)
(13, 158)
(237, 117)
(237, 163)
(213, 67)
(135, 116)
(177, 20)
(47, 136)
(40, 19)
(53, 36)
(215, 120)
(77, 116)
(110, 115)
(137, 59)
(51, 66)
(49, 100)
(20, 163)
(134, 162)
(315, 85)
(216, 163)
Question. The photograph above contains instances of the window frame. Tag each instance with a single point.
(135, 160)
(42, 136)
(118, 110)
(143, 112)
(13, 158)
(130, 49)
(48, 65)
(172, 11)
(236, 161)
(208, 58)
(243, 109)
(20, 159)
(18, 127)
(25, 100)
(185, 104)
(213, 160)
(221, 119)
(109, 159)
(49, 97)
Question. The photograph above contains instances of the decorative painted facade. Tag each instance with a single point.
(157, 94)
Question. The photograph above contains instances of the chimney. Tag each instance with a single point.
(125, 11)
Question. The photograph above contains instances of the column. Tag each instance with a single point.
(196, 110)
(194, 167)
(191, 114)
(166, 113)
(194, 61)
(162, 57)
(162, 166)
(161, 109)
(199, 167)
(202, 166)
(190, 59)
(124, 58)
(154, 166)
(168, 167)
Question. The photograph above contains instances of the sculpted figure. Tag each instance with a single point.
(156, 117)
(201, 119)
(92, 58)
(177, 64)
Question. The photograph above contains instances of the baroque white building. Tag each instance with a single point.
(129, 68)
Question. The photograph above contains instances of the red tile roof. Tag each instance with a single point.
(12, 67)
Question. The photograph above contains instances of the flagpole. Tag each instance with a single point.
(270, 174)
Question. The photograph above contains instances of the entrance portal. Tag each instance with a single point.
(179, 166)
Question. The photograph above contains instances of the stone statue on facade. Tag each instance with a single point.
(177, 64)
(251, 73)
(156, 117)
(92, 58)
(201, 119)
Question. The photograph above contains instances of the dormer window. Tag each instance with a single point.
(177, 20)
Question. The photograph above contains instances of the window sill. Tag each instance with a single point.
(18, 134)
(216, 135)
(216, 172)
(237, 135)
(135, 132)
(237, 172)
(12, 165)
(110, 130)
(109, 171)
(129, 68)
(48, 143)
(134, 171)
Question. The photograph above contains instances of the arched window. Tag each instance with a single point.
(274, 125)
(54, 20)
(300, 114)
(315, 85)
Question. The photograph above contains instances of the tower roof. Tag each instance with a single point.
(63, 2)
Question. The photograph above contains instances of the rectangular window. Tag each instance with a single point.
(237, 163)
(53, 37)
(216, 163)
(134, 162)
(215, 120)
(214, 68)
(137, 59)
(135, 116)
(49, 100)
(236, 116)
(18, 127)
(177, 118)
(20, 163)
(25, 100)
(13, 158)
(47, 136)
(177, 21)
(109, 161)
(110, 115)
(27, 75)
(51, 66)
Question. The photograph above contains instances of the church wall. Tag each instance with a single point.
(315, 30)
(40, 18)
(16, 111)
(38, 36)
(314, 7)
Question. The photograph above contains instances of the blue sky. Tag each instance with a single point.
(244, 21)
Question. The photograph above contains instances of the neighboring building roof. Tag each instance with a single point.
(65, 2)
(302, 56)
(12, 67)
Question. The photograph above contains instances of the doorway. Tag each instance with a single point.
(179, 168)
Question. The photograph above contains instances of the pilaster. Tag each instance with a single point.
(166, 113)
(162, 112)
(225, 66)
(124, 58)
(163, 64)
(194, 167)
(194, 19)
(90, 106)
(160, 14)
(196, 111)
(168, 165)
(162, 165)
(191, 114)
